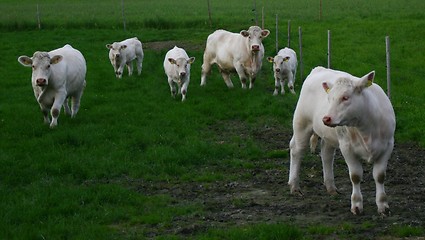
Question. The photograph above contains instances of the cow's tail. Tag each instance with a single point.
(313, 142)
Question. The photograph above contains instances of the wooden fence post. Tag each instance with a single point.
(277, 34)
(329, 48)
(38, 18)
(209, 13)
(123, 15)
(301, 54)
(387, 44)
(289, 33)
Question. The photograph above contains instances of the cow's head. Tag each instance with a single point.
(278, 62)
(345, 100)
(115, 55)
(40, 63)
(183, 66)
(255, 37)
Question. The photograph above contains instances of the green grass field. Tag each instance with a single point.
(77, 181)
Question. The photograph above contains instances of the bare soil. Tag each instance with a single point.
(261, 195)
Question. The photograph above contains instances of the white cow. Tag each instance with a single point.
(284, 68)
(57, 76)
(241, 52)
(353, 114)
(124, 53)
(177, 67)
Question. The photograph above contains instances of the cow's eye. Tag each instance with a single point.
(33, 67)
(344, 98)
(48, 66)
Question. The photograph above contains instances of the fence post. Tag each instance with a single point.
(329, 48)
(122, 13)
(209, 12)
(387, 43)
(301, 53)
(289, 33)
(38, 18)
(277, 33)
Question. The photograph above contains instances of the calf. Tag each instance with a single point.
(177, 67)
(124, 53)
(241, 52)
(284, 68)
(353, 114)
(57, 76)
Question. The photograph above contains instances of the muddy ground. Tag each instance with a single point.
(261, 194)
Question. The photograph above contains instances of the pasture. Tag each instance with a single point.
(136, 163)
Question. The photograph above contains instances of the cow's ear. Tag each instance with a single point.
(108, 46)
(25, 61)
(326, 86)
(265, 33)
(172, 60)
(123, 47)
(191, 60)
(286, 59)
(245, 33)
(270, 59)
(367, 80)
(56, 59)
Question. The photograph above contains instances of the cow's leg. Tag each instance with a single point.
(120, 70)
(55, 111)
(282, 86)
(291, 83)
(242, 75)
(76, 103)
(226, 78)
(355, 170)
(184, 89)
(206, 70)
(45, 112)
(172, 87)
(327, 153)
(130, 68)
(298, 144)
(276, 86)
(252, 80)
(66, 107)
(139, 65)
(379, 173)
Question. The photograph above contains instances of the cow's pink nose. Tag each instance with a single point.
(327, 120)
(41, 81)
(255, 47)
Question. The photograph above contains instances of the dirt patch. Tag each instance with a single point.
(261, 194)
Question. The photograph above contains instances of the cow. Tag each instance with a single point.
(124, 53)
(177, 68)
(57, 76)
(352, 114)
(284, 68)
(241, 52)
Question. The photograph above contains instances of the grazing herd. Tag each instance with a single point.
(344, 111)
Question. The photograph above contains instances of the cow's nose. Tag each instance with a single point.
(117, 56)
(41, 81)
(327, 120)
(182, 74)
(255, 47)
(277, 69)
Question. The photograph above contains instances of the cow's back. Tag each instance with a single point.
(72, 69)
(223, 46)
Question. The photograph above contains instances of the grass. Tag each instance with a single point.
(71, 182)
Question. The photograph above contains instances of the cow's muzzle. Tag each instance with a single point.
(255, 48)
(41, 82)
